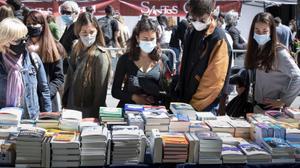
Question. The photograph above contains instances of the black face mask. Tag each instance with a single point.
(19, 48)
(34, 31)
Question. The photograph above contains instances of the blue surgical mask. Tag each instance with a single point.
(88, 40)
(68, 19)
(261, 39)
(147, 46)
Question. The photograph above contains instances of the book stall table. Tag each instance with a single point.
(150, 137)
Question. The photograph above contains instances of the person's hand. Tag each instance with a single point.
(273, 104)
(141, 99)
(240, 89)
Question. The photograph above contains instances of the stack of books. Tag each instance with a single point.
(280, 150)
(110, 114)
(193, 151)
(241, 128)
(293, 112)
(265, 130)
(48, 120)
(254, 153)
(10, 116)
(88, 122)
(29, 147)
(201, 116)
(133, 108)
(94, 142)
(155, 117)
(210, 148)
(7, 152)
(292, 135)
(65, 147)
(135, 119)
(7, 131)
(232, 154)
(196, 126)
(179, 123)
(183, 108)
(220, 126)
(127, 145)
(175, 148)
(70, 120)
(282, 119)
(228, 138)
(296, 146)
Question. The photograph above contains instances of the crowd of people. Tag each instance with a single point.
(43, 72)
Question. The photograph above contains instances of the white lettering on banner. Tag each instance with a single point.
(185, 7)
(151, 10)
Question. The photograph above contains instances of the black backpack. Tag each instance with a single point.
(105, 24)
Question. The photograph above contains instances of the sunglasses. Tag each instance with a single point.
(65, 12)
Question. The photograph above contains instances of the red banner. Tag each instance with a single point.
(132, 7)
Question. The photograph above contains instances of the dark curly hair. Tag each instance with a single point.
(144, 25)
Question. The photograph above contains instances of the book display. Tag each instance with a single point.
(146, 134)
(65, 147)
(94, 142)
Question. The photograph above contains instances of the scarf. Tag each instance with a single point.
(15, 87)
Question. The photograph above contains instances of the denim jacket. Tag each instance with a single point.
(36, 91)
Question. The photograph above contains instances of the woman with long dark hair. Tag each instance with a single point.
(140, 69)
(89, 69)
(275, 73)
(50, 51)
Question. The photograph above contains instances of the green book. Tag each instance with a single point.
(110, 111)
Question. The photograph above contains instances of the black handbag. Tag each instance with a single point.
(243, 103)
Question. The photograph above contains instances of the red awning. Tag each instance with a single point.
(133, 7)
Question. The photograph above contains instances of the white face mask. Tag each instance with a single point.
(199, 26)
(147, 46)
(88, 40)
(261, 39)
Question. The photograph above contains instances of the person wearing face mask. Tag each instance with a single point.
(23, 79)
(205, 60)
(141, 68)
(50, 51)
(231, 20)
(69, 11)
(89, 71)
(275, 73)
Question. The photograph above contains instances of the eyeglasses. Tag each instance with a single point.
(65, 12)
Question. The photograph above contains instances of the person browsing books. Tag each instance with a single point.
(141, 67)
(205, 60)
(276, 75)
(88, 74)
(23, 79)
(50, 51)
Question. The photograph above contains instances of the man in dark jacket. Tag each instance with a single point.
(205, 60)
(231, 19)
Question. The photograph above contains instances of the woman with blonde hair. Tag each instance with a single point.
(89, 69)
(50, 51)
(22, 76)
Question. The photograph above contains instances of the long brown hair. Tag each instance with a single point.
(5, 12)
(264, 59)
(134, 50)
(85, 19)
(49, 50)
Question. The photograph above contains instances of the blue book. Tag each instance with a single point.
(182, 117)
(134, 107)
